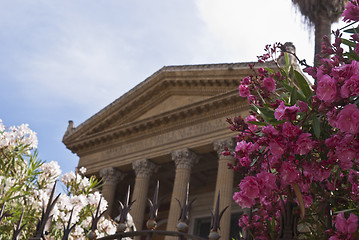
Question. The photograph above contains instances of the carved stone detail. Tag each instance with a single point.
(184, 158)
(144, 168)
(220, 145)
(111, 175)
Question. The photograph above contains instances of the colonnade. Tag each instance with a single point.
(184, 160)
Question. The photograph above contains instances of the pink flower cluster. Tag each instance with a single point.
(344, 227)
(253, 188)
(300, 142)
(351, 12)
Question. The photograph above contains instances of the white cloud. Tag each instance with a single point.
(245, 27)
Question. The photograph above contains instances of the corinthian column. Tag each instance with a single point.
(143, 169)
(184, 160)
(224, 184)
(111, 177)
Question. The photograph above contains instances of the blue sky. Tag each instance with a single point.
(65, 60)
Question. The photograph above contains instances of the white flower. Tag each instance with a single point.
(51, 169)
(2, 127)
(84, 183)
(67, 178)
(79, 201)
(82, 170)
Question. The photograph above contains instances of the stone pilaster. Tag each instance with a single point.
(143, 169)
(184, 160)
(224, 183)
(111, 177)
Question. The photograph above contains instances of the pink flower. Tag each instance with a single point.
(274, 161)
(244, 147)
(345, 158)
(353, 176)
(243, 90)
(304, 144)
(267, 181)
(335, 238)
(276, 149)
(246, 81)
(350, 87)
(346, 226)
(251, 118)
(243, 221)
(348, 119)
(346, 71)
(245, 161)
(303, 106)
(242, 200)
(285, 113)
(351, 12)
(289, 130)
(270, 130)
(308, 201)
(250, 187)
(269, 84)
(288, 173)
(280, 111)
(327, 89)
(332, 118)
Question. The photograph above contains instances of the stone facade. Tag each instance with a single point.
(172, 128)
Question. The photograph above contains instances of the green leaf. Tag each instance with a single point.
(267, 115)
(303, 84)
(257, 123)
(287, 65)
(293, 96)
(352, 55)
(348, 42)
(352, 30)
(316, 125)
(269, 70)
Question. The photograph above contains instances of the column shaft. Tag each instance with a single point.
(143, 169)
(182, 177)
(108, 192)
(224, 185)
(140, 195)
(110, 176)
(184, 160)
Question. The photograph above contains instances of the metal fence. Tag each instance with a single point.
(182, 226)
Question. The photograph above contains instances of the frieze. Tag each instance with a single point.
(175, 135)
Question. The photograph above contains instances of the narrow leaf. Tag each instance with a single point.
(302, 83)
(316, 126)
(348, 42)
(293, 96)
(299, 196)
(352, 30)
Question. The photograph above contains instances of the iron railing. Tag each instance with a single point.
(124, 209)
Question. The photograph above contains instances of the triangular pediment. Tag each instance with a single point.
(169, 104)
(170, 91)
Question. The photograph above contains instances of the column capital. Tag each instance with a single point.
(220, 145)
(144, 168)
(184, 158)
(111, 175)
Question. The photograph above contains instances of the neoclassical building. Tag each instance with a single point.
(172, 128)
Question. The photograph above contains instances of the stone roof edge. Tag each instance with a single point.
(193, 67)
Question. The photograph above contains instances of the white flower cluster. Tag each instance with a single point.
(80, 205)
(17, 135)
(80, 198)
